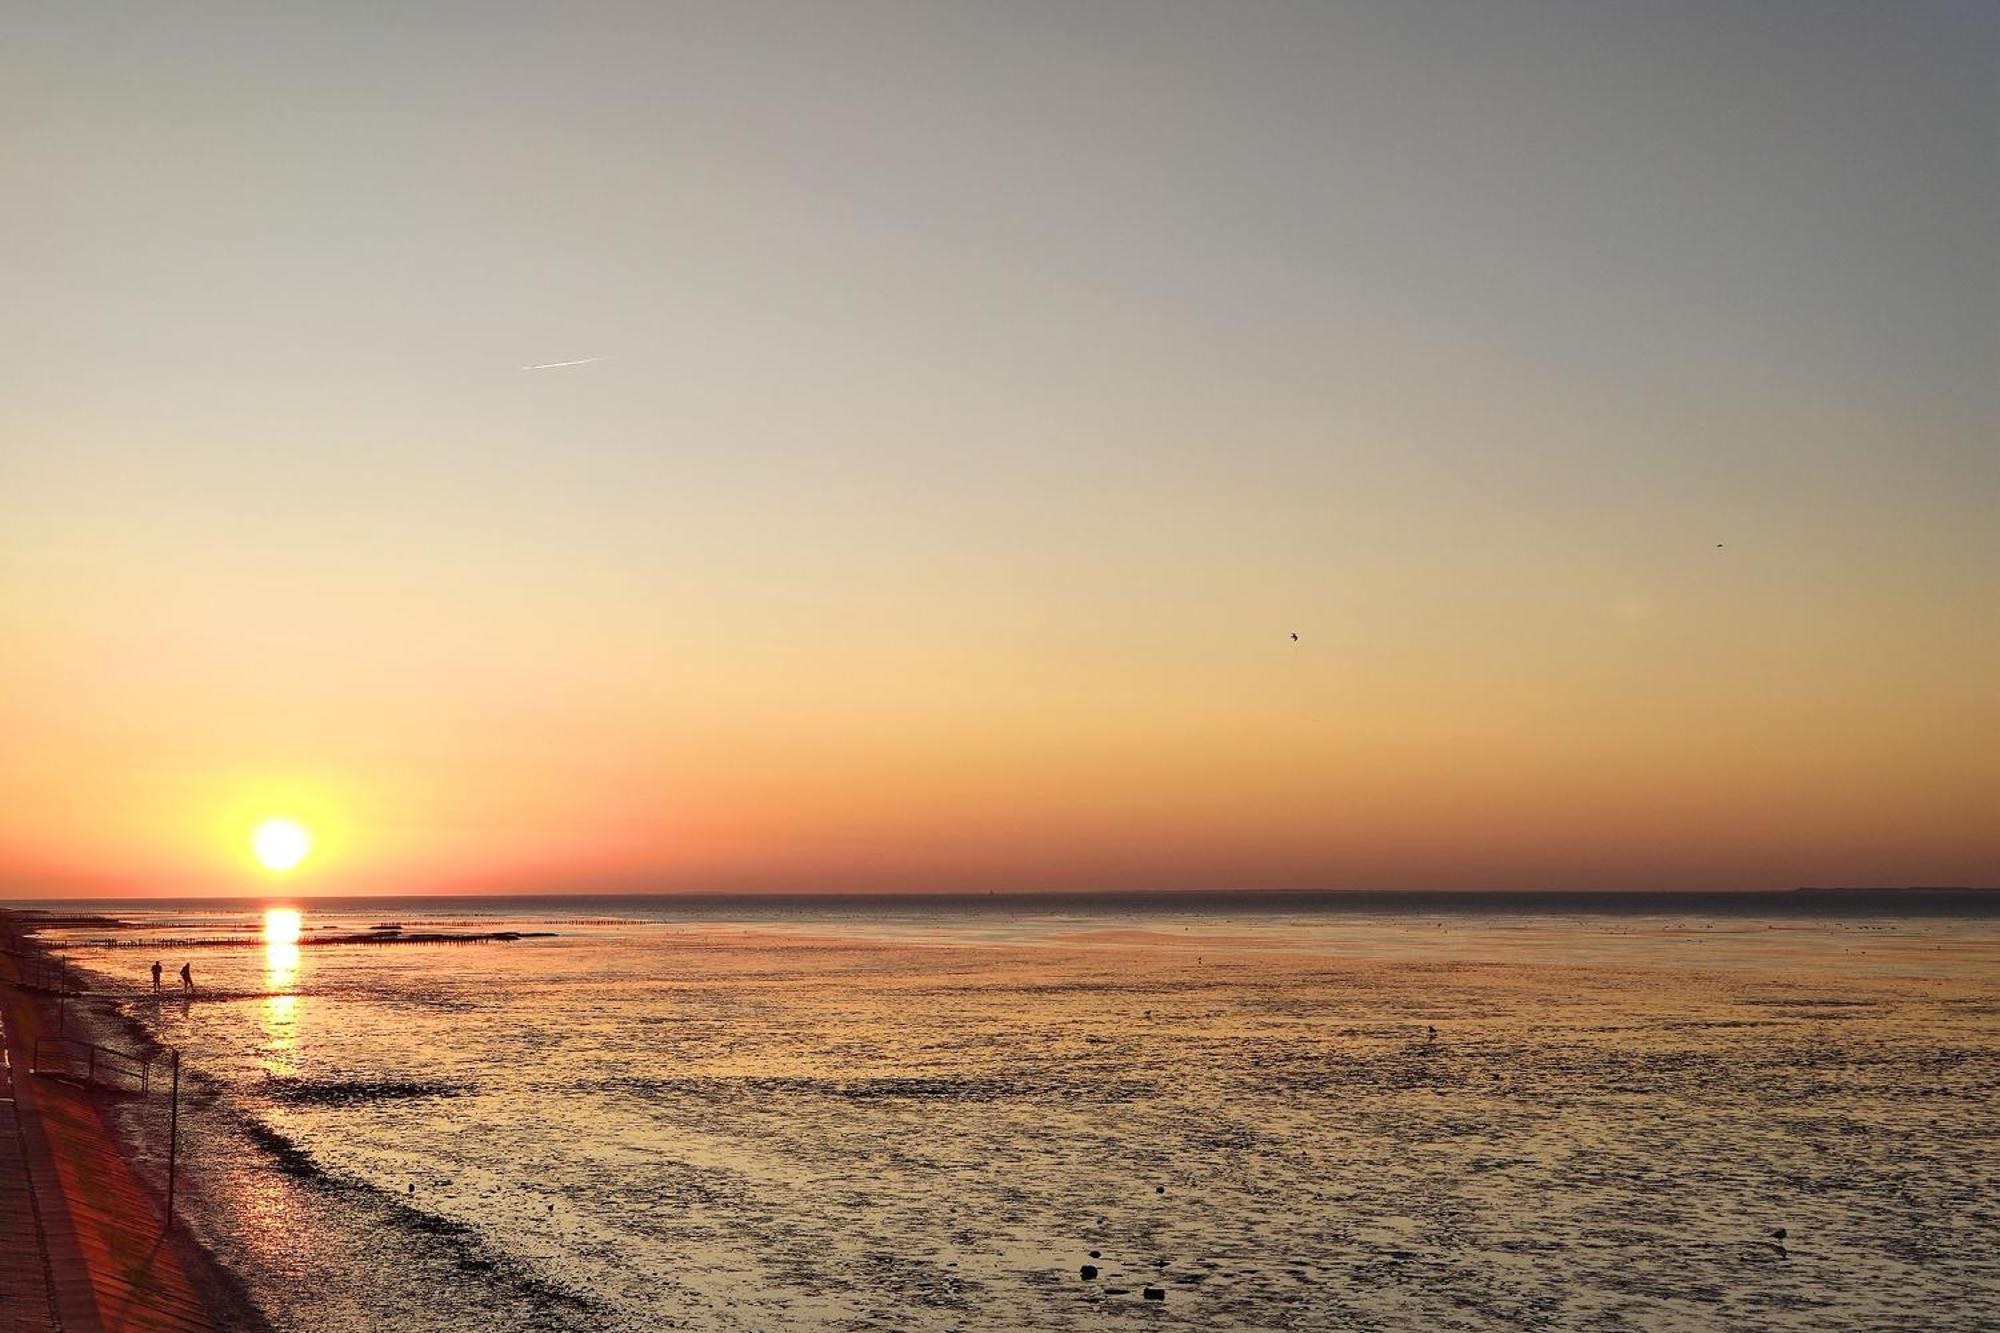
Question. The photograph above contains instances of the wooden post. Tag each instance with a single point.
(173, 1138)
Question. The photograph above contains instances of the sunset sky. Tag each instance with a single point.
(1603, 392)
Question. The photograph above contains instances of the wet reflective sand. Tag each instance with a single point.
(932, 1124)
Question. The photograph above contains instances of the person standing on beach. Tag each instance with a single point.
(156, 976)
(187, 978)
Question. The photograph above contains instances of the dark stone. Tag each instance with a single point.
(1154, 1293)
(1095, 1255)
(1089, 1272)
(1779, 1234)
(1159, 1189)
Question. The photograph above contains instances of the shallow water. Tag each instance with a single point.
(928, 1120)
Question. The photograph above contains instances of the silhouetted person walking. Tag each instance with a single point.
(187, 978)
(156, 976)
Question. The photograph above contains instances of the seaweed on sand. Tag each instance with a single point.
(354, 1092)
(288, 1156)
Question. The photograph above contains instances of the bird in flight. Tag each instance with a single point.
(558, 365)
(1295, 638)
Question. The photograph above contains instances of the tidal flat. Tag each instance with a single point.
(936, 1120)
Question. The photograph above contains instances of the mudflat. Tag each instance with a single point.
(935, 1121)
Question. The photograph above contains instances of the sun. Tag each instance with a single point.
(280, 844)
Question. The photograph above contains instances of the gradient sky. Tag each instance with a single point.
(990, 391)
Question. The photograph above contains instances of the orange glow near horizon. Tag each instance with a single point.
(1723, 740)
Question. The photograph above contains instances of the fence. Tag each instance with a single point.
(100, 1064)
(106, 1062)
(38, 971)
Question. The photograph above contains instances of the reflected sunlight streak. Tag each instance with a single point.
(282, 928)
(281, 965)
(282, 925)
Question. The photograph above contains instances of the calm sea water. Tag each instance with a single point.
(742, 1115)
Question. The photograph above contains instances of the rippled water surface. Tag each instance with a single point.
(931, 1121)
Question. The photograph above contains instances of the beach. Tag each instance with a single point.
(86, 1241)
(935, 1118)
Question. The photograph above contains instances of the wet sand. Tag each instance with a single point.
(931, 1126)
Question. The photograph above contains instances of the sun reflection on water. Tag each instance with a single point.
(281, 1035)
(282, 927)
(281, 965)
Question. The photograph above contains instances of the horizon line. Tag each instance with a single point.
(822, 895)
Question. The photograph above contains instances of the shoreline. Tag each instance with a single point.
(108, 1258)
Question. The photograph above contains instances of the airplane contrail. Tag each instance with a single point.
(557, 365)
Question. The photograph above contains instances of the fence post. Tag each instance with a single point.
(173, 1138)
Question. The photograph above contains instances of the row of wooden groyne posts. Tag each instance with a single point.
(249, 939)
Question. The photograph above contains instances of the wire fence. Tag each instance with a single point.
(92, 1063)
(39, 971)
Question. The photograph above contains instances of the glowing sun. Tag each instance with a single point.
(280, 844)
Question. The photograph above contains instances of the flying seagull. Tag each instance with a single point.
(558, 365)
(1295, 638)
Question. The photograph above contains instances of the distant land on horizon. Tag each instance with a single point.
(1803, 900)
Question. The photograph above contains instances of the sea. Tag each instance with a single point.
(1192, 1111)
